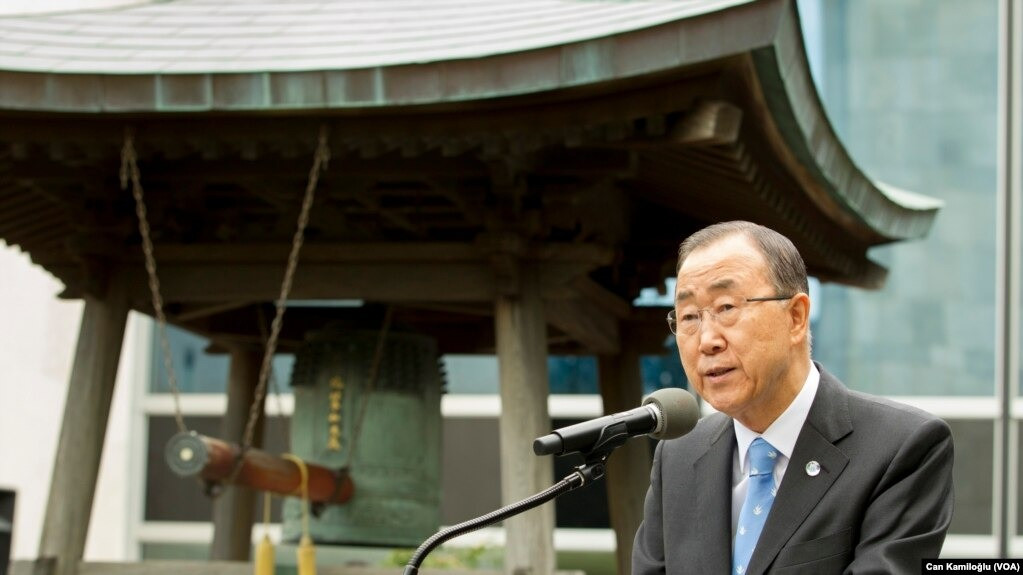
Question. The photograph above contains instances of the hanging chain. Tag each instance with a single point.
(130, 169)
(320, 161)
(263, 336)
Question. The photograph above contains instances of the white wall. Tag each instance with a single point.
(38, 333)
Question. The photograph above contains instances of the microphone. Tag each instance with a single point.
(665, 414)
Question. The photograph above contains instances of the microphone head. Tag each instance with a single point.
(678, 412)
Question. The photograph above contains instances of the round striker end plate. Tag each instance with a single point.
(186, 454)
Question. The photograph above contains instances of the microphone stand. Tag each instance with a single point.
(590, 471)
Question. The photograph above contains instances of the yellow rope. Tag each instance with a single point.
(306, 550)
(303, 488)
(266, 511)
(264, 564)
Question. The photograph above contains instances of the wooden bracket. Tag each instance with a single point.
(709, 123)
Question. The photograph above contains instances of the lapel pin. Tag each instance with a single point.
(813, 469)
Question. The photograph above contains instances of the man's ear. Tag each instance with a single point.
(799, 316)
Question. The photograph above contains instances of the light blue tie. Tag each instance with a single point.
(759, 497)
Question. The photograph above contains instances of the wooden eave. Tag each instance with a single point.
(614, 147)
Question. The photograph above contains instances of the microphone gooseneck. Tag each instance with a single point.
(665, 414)
(572, 481)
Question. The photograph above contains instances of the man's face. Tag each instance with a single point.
(746, 370)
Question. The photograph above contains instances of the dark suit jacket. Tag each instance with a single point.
(881, 502)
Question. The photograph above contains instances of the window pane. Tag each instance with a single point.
(478, 374)
(474, 374)
(199, 372)
(471, 453)
(971, 475)
(471, 480)
(573, 374)
(1019, 485)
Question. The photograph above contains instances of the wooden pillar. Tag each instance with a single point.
(234, 509)
(90, 391)
(628, 469)
(522, 359)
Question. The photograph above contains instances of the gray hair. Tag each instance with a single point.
(785, 265)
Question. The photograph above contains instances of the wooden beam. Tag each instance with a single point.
(90, 392)
(585, 323)
(392, 272)
(586, 162)
(470, 205)
(388, 282)
(710, 123)
(628, 469)
(40, 566)
(456, 309)
(404, 252)
(191, 313)
(602, 298)
(269, 167)
(234, 509)
(647, 330)
(208, 458)
(521, 335)
(368, 200)
(591, 317)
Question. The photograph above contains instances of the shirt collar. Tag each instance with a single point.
(783, 433)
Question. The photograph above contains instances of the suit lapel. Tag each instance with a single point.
(827, 422)
(714, 502)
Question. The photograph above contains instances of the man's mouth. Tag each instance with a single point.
(717, 371)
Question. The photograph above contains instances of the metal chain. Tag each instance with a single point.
(130, 169)
(320, 161)
(263, 336)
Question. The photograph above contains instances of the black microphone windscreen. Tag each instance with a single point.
(678, 409)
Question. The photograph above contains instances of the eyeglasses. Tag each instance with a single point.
(726, 313)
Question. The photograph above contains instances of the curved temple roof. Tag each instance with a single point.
(704, 106)
(244, 36)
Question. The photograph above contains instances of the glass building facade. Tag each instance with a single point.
(912, 89)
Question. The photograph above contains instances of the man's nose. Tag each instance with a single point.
(709, 332)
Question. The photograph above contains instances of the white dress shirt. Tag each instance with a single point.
(782, 434)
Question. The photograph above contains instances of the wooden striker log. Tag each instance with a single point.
(191, 454)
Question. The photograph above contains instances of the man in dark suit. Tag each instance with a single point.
(796, 473)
